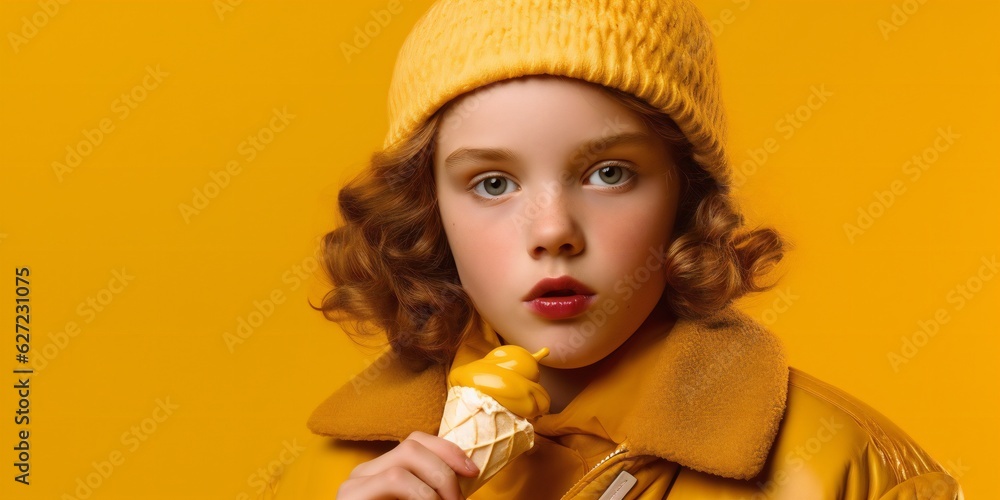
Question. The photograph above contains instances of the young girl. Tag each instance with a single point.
(555, 176)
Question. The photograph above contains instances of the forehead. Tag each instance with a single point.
(533, 113)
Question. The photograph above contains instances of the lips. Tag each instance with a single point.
(559, 298)
(558, 287)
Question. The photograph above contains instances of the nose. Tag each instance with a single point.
(553, 229)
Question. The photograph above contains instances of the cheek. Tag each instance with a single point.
(483, 271)
(480, 248)
(642, 226)
(477, 251)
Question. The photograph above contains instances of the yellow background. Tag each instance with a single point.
(846, 304)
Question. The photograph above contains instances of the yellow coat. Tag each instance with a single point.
(709, 409)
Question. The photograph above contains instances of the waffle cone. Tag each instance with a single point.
(489, 434)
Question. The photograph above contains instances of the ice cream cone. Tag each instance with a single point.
(490, 434)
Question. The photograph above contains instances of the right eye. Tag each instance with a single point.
(493, 186)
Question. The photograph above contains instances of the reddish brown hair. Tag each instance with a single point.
(391, 267)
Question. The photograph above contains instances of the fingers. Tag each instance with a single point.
(430, 460)
(390, 484)
(449, 452)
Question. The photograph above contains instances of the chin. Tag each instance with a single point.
(568, 357)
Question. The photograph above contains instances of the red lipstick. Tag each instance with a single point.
(559, 298)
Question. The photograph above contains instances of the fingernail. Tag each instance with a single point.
(469, 464)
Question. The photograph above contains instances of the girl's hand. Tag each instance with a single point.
(422, 466)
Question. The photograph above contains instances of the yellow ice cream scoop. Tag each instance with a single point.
(488, 406)
(508, 374)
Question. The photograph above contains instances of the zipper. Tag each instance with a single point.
(593, 472)
(620, 449)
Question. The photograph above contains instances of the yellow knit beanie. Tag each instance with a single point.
(658, 50)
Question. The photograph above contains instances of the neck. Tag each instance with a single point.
(563, 385)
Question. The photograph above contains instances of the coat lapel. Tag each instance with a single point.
(712, 401)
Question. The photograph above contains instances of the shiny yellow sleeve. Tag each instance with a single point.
(831, 445)
(933, 485)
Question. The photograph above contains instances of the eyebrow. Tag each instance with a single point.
(471, 155)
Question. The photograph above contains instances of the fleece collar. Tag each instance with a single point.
(712, 399)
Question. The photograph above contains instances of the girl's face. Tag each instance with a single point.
(546, 177)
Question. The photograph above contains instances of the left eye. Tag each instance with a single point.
(610, 175)
(494, 185)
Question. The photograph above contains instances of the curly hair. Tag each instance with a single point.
(391, 268)
(712, 260)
